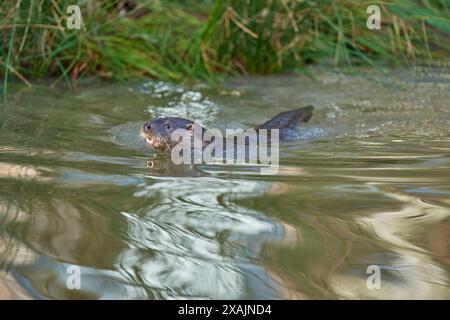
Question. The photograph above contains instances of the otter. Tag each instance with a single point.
(157, 133)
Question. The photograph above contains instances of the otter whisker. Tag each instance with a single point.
(141, 136)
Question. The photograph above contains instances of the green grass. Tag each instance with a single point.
(182, 40)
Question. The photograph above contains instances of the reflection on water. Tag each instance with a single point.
(366, 183)
(193, 232)
(410, 272)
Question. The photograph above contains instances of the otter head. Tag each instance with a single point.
(158, 133)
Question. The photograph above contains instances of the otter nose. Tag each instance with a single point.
(147, 126)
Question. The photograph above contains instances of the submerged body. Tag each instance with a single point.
(158, 133)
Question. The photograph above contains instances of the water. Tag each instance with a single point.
(367, 183)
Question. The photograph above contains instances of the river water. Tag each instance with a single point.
(364, 191)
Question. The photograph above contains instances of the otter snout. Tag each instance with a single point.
(147, 126)
(147, 131)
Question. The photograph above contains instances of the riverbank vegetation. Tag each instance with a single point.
(180, 40)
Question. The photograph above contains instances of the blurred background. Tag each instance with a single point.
(204, 39)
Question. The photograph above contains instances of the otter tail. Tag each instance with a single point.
(288, 119)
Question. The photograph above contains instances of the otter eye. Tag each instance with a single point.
(190, 127)
(167, 126)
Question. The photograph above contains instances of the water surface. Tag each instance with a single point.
(367, 182)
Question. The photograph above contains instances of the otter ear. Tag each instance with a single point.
(190, 127)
